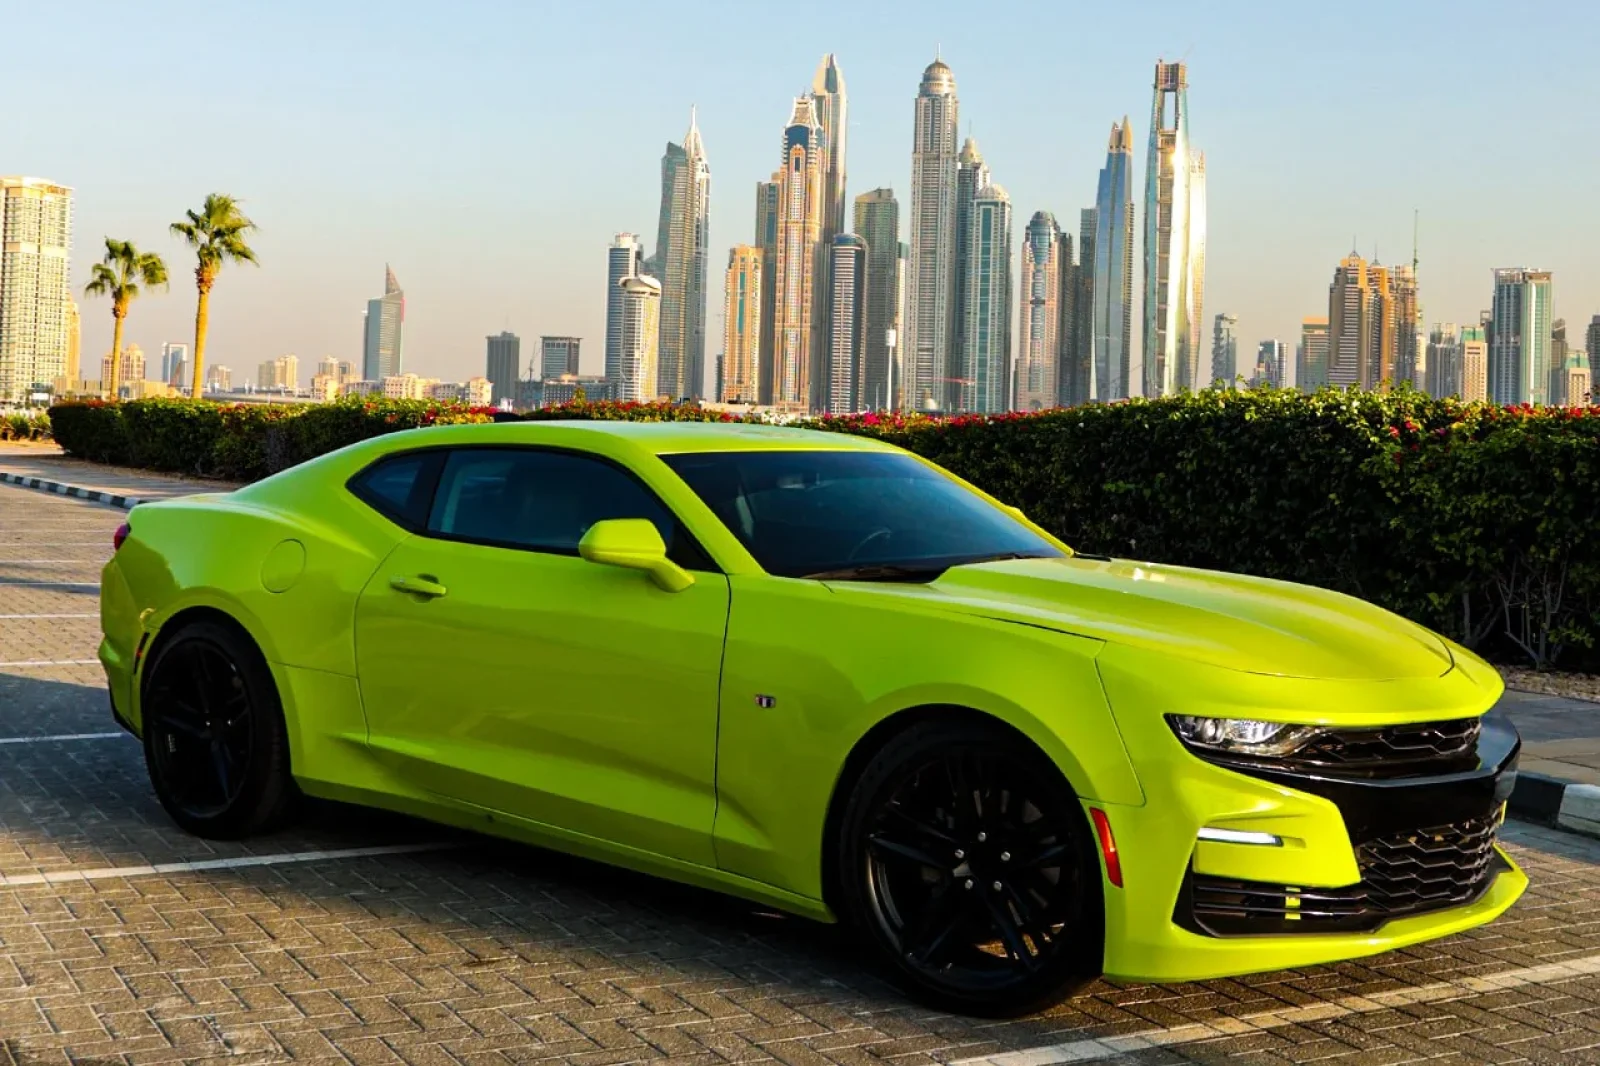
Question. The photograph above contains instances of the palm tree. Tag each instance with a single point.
(217, 234)
(119, 276)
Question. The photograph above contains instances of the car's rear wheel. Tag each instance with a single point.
(965, 863)
(214, 737)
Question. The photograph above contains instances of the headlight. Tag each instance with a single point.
(1243, 736)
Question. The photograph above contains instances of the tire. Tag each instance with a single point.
(214, 737)
(988, 907)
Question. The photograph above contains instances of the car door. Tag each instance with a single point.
(501, 670)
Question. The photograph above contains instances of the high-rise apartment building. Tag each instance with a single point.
(767, 193)
(503, 366)
(35, 288)
(1556, 389)
(558, 357)
(986, 338)
(131, 373)
(1110, 265)
(1269, 368)
(1174, 240)
(173, 356)
(1591, 343)
(1224, 349)
(682, 246)
(931, 276)
(847, 324)
(328, 366)
(798, 337)
(972, 176)
(384, 341)
(1580, 381)
(741, 326)
(1445, 372)
(831, 106)
(1039, 337)
(219, 378)
(1075, 374)
(279, 375)
(1362, 335)
(1311, 362)
(624, 260)
(638, 336)
(877, 222)
(1475, 363)
(1519, 336)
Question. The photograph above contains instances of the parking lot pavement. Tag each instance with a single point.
(363, 938)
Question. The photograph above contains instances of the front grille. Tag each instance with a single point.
(1393, 751)
(1401, 874)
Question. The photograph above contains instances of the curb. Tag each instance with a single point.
(111, 499)
(1553, 802)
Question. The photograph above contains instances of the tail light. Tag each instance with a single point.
(119, 536)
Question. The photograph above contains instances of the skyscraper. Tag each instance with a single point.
(503, 366)
(681, 249)
(1362, 338)
(1039, 360)
(172, 356)
(640, 307)
(972, 176)
(559, 357)
(35, 290)
(1111, 268)
(767, 193)
(1409, 358)
(1269, 364)
(847, 323)
(1224, 349)
(798, 339)
(384, 342)
(1556, 391)
(1445, 375)
(1474, 363)
(1075, 331)
(1519, 337)
(74, 370)
(931, 259)
(625, 259)
(1592, 339)
(1311, 369)
(828, 98)
(1174, 240)
(877, 221)
(986, 340)
(741, 326)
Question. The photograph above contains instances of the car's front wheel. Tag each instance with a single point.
(214, 737)
(966, 864)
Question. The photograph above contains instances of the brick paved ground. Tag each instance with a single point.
(479, 953)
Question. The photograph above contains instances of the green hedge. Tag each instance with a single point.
(1477, 521)
(21, 427)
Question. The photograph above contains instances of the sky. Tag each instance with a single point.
(488, 150)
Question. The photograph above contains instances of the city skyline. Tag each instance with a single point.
(459, 294)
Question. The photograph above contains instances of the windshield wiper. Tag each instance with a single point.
(879, 572)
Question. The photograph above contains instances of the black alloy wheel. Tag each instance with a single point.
(966, 863)
(214, 737)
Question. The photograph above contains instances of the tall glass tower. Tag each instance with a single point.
(383, 344)
(799, 353)
(624, 259)
(986, 340)
(681, 247)
(931, 261)
(1039, 361)
(877, 222)
(1111, 317)
(1174, 240)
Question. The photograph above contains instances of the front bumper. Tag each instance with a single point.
(1365, 866)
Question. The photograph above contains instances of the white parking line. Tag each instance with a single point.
(54, 662)
(6, 616)
(1114, 1047)
(58, 737)
(57, 877)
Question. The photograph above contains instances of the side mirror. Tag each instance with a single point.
(634, 544)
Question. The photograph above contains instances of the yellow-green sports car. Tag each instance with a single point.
(818, 672)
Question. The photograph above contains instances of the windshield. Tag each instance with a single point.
(808, 513)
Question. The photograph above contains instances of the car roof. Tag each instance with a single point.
(667, 438)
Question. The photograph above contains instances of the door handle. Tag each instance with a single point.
(423, 586)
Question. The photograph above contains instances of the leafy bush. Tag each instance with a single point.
(1474, 520)
(18, 426)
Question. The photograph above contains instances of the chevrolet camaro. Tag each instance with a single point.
(818, 672)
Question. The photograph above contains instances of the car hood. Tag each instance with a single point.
(1241, 623)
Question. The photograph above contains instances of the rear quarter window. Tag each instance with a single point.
(400, 487)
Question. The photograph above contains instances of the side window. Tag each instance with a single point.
(400, 487)
(545, 501)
